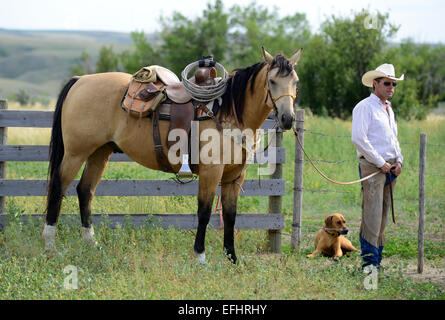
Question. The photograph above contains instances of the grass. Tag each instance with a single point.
(144, 263)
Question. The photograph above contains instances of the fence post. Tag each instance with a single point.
(275, 202)
(420, 234)
(298, 183)
(3, 141)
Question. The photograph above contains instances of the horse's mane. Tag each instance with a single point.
(237, 84)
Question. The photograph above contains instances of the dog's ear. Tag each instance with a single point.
(328, 221)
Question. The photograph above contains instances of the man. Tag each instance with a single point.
(374, 134)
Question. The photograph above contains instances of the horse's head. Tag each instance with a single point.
(282, 84)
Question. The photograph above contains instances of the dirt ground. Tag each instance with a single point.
(433, 271)
(430, 274)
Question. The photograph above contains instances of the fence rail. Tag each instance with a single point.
(31, 153)
(183, 221)
(44, 119)
(269, 187)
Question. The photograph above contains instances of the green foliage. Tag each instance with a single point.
(108, 60)
(22, 97)
(254, 26)
(424, 68)
(142, 54)
(332, 67)
(185, 41)
(330, 71)
(83, 66)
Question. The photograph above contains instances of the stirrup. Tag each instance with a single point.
(185, 171)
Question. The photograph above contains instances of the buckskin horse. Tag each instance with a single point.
(89, 125)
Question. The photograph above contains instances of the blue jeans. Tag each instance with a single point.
(370, 254)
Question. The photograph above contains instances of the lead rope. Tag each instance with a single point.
(322, 174)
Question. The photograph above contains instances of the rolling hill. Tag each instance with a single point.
(39, 61)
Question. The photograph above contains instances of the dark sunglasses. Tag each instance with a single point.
(388, 83)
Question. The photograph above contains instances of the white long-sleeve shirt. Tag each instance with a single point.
(374, 132)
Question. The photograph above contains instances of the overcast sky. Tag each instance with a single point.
(423, 21)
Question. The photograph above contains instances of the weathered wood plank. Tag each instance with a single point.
(3, 164)
(28, 187)
(244, 221)
(44, 119)
(26, 118)
(421, 227)
(40, 153)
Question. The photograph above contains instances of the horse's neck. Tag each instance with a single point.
(256, 110)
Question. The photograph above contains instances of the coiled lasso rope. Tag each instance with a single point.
(205, 93)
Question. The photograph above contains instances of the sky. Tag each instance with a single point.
(421, 20)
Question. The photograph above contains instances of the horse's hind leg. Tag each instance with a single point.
(59, 184)
(86, 188)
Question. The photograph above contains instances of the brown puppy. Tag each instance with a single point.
(330, 241)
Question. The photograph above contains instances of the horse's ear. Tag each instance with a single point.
(267, 56)
(296, 57)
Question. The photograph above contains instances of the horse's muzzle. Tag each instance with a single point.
(286, 121)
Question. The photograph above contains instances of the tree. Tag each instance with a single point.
(254, 26)
(108, 60)
(185, 41)
(424, 69)
(83, 66)
(22, 97)
(141, 55)
(332, 67)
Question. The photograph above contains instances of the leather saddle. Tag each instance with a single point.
(158, 93)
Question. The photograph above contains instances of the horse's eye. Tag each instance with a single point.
(272, 82)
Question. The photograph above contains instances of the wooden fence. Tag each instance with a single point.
(274, 187)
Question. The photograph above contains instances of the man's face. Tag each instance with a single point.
(384, 87)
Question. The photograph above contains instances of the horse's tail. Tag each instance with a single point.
(56, 146)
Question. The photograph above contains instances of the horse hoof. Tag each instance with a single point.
(49, 236)
(88, 236)
(201, 257)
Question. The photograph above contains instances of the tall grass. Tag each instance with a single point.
(144, 263)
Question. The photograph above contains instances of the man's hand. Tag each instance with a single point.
(386, 167)
(396, 168)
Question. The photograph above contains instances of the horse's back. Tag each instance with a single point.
(109, 86)
(92, 109)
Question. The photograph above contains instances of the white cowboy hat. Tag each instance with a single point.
(386, 70)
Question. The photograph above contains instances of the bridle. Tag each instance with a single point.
(274, 100)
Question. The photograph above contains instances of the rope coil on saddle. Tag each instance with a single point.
(205, 93)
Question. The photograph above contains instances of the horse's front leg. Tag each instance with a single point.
(209, 177)
(229, 197)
